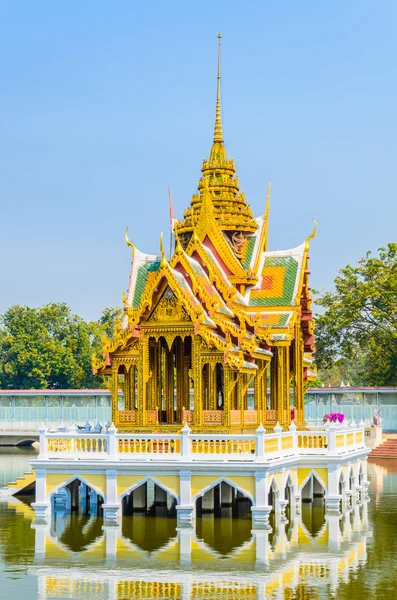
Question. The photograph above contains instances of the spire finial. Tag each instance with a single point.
(218, 136)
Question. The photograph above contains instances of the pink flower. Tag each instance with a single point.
(333, 418)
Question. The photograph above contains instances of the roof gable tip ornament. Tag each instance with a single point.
(312, 235)
(163, 257)
(127, 241)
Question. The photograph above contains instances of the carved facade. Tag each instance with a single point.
(216, 336)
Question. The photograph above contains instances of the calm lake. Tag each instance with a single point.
(312, 556)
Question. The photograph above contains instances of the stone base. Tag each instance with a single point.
(260, 516)
(185, 514)
(373, 437)
(332, 503)
(41, 511)
(110, 513)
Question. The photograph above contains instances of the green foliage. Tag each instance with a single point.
(357, 334)
(318, 382)
(49, 347)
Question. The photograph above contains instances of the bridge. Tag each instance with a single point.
(18, 438)
(23, 411)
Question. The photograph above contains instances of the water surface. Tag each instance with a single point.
(313, 555)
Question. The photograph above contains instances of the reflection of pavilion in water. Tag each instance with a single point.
(309, 554)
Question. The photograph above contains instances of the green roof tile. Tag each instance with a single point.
(141, 278)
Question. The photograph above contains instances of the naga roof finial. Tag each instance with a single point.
(127, 241)
(163, 257)
(218, 135)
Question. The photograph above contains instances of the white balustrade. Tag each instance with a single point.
(191, 446)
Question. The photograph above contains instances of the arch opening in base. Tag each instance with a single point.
(223, 500)
(149, 499)
(78, 497)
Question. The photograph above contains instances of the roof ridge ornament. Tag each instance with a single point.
(218, 134)
(127, 241)
(312, 235)
(163, 257)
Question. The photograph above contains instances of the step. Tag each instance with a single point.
(382, 455)
(22, 482)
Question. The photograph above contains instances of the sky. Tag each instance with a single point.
(105, 104)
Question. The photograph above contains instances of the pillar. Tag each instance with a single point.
(333, 498)
(198, 384)
(208, 504)
(332, 519)
(365, 482)
(185, 535)
(142, 368)
(282, 502)
(273, 381)
(111, 507)
(262, 546)
(41, 531)
(211, 387)
(169, 388)
(83, 493)
(160, 495)
(114, 391)
(127, 388)
(299, 394)
(93, 496)
(180, 378)
(260, 509)
(283, 385)
(139, 498)
(226, 396)
(226, 494)
(112, 532)
(185, 509)
(41, 506)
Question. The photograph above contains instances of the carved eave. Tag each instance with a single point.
(213, 300)
(215, 274)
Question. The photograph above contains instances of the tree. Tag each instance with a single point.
(49, 347)
(359, 325)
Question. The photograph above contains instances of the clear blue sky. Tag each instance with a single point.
(103, 104)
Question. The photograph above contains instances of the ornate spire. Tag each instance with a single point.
(218, 136)
(230, 208)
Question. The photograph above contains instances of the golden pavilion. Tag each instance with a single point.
(217, 335)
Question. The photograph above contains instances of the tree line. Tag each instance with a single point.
(50, 347)
(356, 334)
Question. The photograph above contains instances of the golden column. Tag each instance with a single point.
(197, 379)
(127, 388)
(273, 380)
(299, 394)
(114, 391)
(226, 396)
(143, 376)
(283, 385)
(211, 386)
(280, 383)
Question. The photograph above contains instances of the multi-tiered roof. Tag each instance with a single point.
(241, 297)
